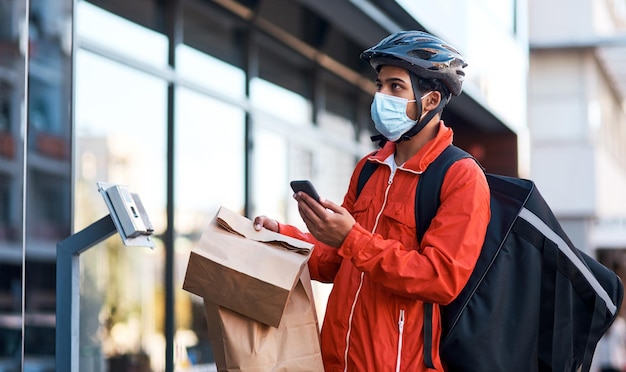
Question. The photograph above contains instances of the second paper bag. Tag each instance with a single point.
(241, 344)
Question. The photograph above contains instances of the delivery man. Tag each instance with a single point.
(368, 247)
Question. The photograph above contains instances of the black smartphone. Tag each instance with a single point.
(305, 186)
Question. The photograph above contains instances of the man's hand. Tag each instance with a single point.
(264, 221)
(327, 222)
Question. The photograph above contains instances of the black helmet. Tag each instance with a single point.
(421, 53)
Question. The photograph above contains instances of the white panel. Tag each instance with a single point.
(557, 118)
(552, 74)
(565, 178)
(611, 186)
(559, 20)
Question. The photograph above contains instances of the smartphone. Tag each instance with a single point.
(305, 186)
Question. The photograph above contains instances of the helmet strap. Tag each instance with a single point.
(420, 124)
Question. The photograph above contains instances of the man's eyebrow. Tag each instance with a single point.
(391, 80)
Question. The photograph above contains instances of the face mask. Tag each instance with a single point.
(389, 115)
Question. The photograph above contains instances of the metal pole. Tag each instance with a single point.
(68, 289)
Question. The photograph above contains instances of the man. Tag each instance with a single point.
(368, 246)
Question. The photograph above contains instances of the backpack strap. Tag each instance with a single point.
(366, 172)
(427, 201)
(427, 194)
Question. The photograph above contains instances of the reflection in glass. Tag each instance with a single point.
(209, 153)
(121, 35)
(278, 158)
(210, 72)
(271, 178)
(12, 90)
(120, 138)
(209, 166)
(40, 207)
(283, 103)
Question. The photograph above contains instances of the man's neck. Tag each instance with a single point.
(407, 149)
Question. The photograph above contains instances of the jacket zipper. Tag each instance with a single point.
(345, 356)
(380, 212)
(358, 291)
(400, 335)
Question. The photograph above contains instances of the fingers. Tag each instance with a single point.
(258, 222)
(332, 206)
(328, 222)
(315, 206)
(322, 207)
(264, 221)
(311, 211)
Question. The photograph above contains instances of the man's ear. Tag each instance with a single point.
(432, 100)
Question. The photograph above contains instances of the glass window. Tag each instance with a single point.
(270, 175)
(209, 28)
(210, 72)
(287, 147)
(285, 104)
(122, 35)
(209, 173)
(47, 212)
(284, 70)
(120, 138)
(335, 164)
(212, 51)
(209, 168)
(279, 114)
(209, 152)
(12, 88)
(47, 217)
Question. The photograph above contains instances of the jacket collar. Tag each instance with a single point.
(426, 155)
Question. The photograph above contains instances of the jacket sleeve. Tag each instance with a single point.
(325, 260)
(439, 270)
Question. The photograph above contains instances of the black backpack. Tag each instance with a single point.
(534, 302)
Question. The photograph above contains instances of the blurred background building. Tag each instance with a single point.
(577, 122)
(577, 119)
(196, 104)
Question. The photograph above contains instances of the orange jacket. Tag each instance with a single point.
(381, 275)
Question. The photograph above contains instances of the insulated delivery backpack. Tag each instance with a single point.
(534, 302)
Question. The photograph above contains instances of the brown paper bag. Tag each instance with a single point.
(242, 344)
(257, 295)
(244, 270)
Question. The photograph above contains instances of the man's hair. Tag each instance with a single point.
(426, 85)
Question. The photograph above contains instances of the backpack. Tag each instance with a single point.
(534, 302)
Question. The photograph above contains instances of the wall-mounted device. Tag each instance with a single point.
(129, 214)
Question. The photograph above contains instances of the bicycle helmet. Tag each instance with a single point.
(421, 53)
(424, 56)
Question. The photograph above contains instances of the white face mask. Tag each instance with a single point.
(389, 115)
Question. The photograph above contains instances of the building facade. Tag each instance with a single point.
(196, 104)
(578, 125)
